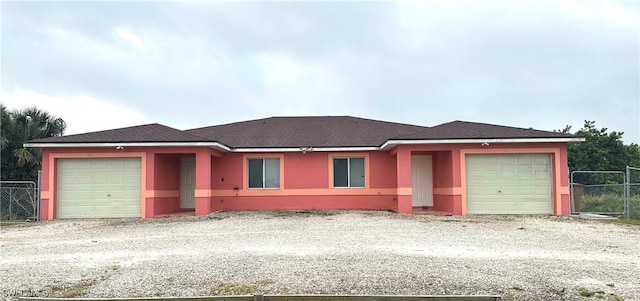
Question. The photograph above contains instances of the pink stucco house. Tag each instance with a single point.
(328, 162)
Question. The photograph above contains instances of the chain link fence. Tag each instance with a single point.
(19, 201)
(633, 193)
(600, 192)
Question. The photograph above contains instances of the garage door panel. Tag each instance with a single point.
(541, 175)
(82, 194)
(117, 179)
(524, 175)
(99, 187)
(100, 164)
(508, 174)
(132, 193)
(66, 194)
(130, 178)
(509, 184)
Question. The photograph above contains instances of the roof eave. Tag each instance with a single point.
(214, 145)
(305, 149)
(391, 143)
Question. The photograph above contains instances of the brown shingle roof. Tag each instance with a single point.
(474, 130)
(315, 131)
(142, 133)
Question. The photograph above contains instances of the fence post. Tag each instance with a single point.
(571, 199)
(38, 191)
(10, 200)
(627, 193)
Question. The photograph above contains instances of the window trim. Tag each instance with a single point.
(245, 170)
(367, 169)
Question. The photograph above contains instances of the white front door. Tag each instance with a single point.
(187, 182)
(421, 181)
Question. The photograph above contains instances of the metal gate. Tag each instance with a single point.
(633, 193)
(600, 192)
(19, 201)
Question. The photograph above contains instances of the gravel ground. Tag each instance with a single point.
(345, 252)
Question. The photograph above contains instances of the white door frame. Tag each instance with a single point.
(187, 182)
(421, 181)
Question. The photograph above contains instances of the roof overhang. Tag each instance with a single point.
(393, 143)
(214, 145)
(221, 147)
(305, 149)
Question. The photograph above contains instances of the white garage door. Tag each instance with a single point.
(98, 188)
(509, 184)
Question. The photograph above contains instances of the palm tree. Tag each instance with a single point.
(4, 120)
(19, 162)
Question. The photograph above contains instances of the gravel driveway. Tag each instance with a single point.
(344, 252)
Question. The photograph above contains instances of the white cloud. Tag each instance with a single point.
(309, 83)
(71, 40)
(136, 42)
(606, 13)
(81, 113)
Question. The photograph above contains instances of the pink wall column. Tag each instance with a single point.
(457, 181)
(565, 207)
(403, 166)
(148, 210)
(46, 189)
(203, 182)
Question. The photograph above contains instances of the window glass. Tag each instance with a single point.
(356, 172)
(272, 173)
(255, 173)
(340, 172)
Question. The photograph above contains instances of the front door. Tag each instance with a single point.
(421, 181)
(187, 182)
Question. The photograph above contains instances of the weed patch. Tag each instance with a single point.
(302, 213)
(227, 288)
(558, 292)
(234, 289)
(627, 221)
(585, 292)
(70, 291)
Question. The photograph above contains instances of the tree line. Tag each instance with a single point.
(16, 161)
(601, 150)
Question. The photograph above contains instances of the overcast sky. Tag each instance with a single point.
(186, 64)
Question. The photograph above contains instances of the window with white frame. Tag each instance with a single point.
(264, 173)
(348, 172)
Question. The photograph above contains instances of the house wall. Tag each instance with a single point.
(226, 172)
(446, 196)
(306, 171)
(159, 175)
(453, 198)
(306, 178)
(165, 184)
(306, 183)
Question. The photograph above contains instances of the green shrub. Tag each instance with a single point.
(610, 203)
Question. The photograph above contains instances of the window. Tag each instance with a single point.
(264, 173)
(348, 172)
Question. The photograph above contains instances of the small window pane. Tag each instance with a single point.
(356, 168)
(255, 173)
(272, 173)
(340, 173)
